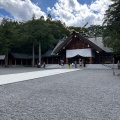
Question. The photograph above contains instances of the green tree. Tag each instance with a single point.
(112, 29)
(28, 37)
(7, 40)
(95, 30)
(49, 18)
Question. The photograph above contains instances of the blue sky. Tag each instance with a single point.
(43, 4)
(70, 12)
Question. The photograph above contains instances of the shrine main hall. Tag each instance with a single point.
(78, 46)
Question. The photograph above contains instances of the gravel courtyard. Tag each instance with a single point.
(87, 94)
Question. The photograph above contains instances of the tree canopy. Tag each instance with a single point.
(21, 37)
(14, 36)
(112, 30)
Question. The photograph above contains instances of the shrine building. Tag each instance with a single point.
(77, 47)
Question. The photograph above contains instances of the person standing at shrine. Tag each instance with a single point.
(43, 64)
(80, 62)
(84, 63)
(75, 64)
(39, 65)
(118, 63)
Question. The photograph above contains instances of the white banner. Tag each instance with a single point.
(82, 52)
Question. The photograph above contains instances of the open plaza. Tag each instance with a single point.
(60, 60)
(54, 93)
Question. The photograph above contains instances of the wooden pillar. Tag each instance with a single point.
(21, 62)
(66, 60)
(15, 62)
(52, 60)
(47, 60)
(58, 60)
(90, 60)
(26, 62)
(10, 62)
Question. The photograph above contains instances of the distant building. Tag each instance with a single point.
(2, 60)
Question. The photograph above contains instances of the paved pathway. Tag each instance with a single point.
(10, 78)
(7, 74)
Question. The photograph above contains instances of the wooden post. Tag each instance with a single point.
(66, 60)
(52, 60)
(15, 62)
(26, 62)
(90, 60)
(9, 62)
(21, 62)
(47, 60)
(58, 60)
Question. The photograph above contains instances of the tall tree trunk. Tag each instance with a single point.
(6, 59)
(40, 52)
(33, 56)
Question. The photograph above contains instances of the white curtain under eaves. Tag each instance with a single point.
(82, 52)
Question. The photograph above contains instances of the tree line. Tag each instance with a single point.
(111, 32)
(32, 37)
(36, 36)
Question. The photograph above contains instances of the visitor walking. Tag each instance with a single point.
(118, 63)
(43, 64)
(39, 65)
(80, 62)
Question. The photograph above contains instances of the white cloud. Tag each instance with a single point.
(1, 17)
(21, 10)
(75, 14)
(70, 12)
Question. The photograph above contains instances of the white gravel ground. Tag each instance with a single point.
(87, 94)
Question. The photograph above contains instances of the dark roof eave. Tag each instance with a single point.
(50, 56)
(62, 45)
(23, 56)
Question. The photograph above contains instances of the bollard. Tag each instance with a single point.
(118, 66)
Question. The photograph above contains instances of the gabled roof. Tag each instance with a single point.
(99, 42)
(56, 47)
(95, 43)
